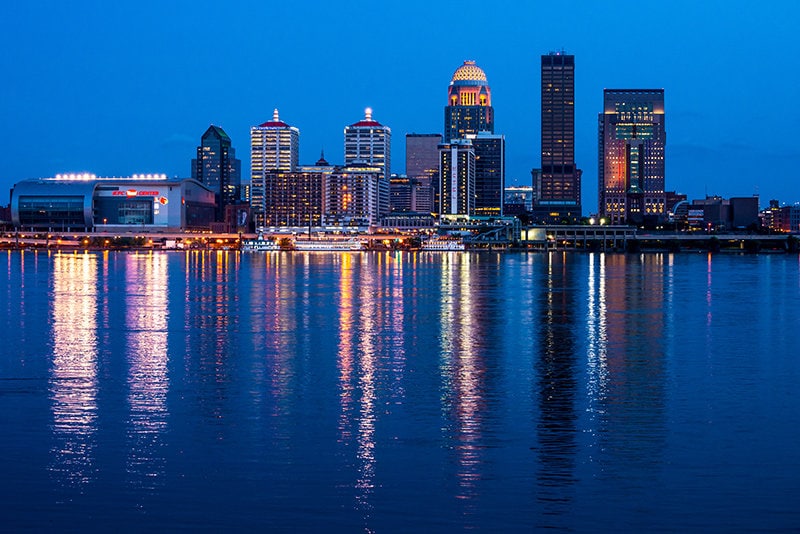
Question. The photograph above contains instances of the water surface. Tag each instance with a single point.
(397, 392)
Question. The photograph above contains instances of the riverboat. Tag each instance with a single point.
(328, 245)
(439, 244)
(259, 244)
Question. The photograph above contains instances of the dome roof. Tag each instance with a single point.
(470, 73)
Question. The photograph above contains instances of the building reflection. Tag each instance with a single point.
(556, 387)
(208, 320)
(357, 352)
(627, 362)
(465, 342)
(146, 313)
(371, 358)
(73, 380)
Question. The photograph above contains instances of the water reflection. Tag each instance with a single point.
(359, 328)
(627, 382)
(462, 369)
(146, 305)
(597, 334)
(73, 375)
(557, 387)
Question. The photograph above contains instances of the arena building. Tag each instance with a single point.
(84, 202)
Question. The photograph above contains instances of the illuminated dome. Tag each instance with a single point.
(469, 74)
(469, 87)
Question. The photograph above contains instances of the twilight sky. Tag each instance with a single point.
(120, 87)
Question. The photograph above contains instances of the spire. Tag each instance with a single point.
(368, 114)
(322, 162)
(275, 116)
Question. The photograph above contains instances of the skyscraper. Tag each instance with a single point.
(217, 167)
(559, 192)
(631, 156)
(369, 143)
(422, 169)
(457, 175)
(490, 155)
(469, 103)
(422, 157)
(274, 145)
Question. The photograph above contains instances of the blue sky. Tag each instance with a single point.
(117, 88)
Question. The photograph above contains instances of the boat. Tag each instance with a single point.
(259, 244)
(328, 245)
(444, 244)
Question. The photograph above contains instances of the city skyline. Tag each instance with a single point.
(108, 90)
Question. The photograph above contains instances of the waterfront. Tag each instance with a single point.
(399, 391)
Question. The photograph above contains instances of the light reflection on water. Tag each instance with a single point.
(73, 376)
(146, 312)
(399, 391)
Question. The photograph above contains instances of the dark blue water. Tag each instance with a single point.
(399, 392)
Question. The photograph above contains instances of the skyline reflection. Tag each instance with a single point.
(626, 383)
(462, 371)
(557, 388)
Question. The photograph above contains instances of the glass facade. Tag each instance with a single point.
(217, 167)
(53, 212)
(113, 210)
(490, 153)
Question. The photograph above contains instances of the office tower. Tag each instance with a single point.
(457, 178)
(369, 143)
(422, 157)
(490, 180)
(274, 145)
(631, 156)
(287, 199)
(422, 167)
(469, 103)
(217, 167)
(559, 191)
(409, 194)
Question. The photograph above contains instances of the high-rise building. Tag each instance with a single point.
(422, 157)
(409, 194)
(274, 145)
(217, 167)
(457, 178)
(631, 156)
(469, 103)
(490, 155)
(559, 191)
(422, 169)
(369, 143)
(351, 196)
(287, 199)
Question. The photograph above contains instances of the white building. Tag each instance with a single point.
(369, 143)
(274, 145)
(457, 178)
